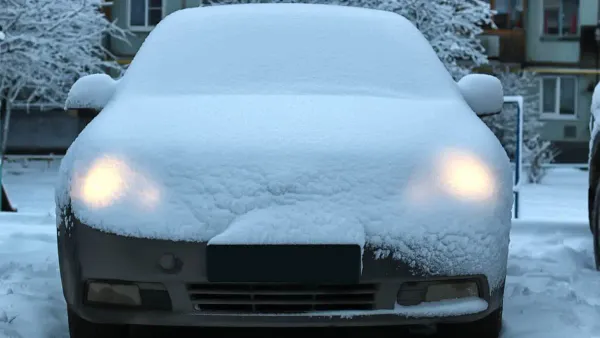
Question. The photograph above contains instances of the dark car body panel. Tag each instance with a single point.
(88, 254)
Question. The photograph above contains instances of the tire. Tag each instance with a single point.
(594, 224)
(81, 328)
(488, 327)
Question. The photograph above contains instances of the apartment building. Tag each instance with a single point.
(556, 40)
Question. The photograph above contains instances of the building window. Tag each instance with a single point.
(145, 14)
(559, 96)
(509, 13)
(561, 17)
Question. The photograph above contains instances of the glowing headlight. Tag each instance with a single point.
(103, 183)
(109, 179)
(466, 176)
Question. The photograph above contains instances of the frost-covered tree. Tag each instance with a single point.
(45, 46)
(536, 152)
(451, 26)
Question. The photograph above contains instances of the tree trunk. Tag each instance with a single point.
(5, 110)
(5, 115)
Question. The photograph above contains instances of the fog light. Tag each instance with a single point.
(444, 291)
(117, 294)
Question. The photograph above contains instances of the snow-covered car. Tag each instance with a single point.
(594, 175)
(285, 165)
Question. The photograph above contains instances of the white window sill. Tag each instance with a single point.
(554, 116)
(141, 29)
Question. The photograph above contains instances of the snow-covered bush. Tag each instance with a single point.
(536, 151)
(47, 45)
(451, 26)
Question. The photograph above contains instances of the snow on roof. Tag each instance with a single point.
(287, 48)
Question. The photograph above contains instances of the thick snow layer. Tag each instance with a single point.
(299, 223)
(552, 288)
(267, 160)
(91, 91)
(329, 146)
(541, 202)
(483, 93)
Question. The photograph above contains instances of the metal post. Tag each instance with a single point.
(518, 151)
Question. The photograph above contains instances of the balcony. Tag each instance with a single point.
(507, 46)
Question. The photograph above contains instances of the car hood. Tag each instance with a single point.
(293, 169)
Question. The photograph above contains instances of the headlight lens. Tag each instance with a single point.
(109, 179)
(104, 182)
(466, 176)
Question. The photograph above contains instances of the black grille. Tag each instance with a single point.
(281, 298)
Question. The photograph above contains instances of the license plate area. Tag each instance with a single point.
(331, 263)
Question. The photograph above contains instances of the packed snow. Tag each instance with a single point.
(91, 91)
(445, 308)
(552, 289)
(362, 150)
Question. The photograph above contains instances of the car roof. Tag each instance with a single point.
(287, 49)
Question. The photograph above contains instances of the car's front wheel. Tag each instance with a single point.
(488, 327)
(81, 328)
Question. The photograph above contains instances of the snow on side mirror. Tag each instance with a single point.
(91, 92)
(483, 93)
(595, 107)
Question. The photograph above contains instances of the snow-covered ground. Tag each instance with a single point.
(552, 288)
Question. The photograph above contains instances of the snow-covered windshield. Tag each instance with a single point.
(287, 49)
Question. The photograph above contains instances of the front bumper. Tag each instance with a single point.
(86, 254)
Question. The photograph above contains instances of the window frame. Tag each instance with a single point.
(146, 27)
(511, 10)
(557, 91)
(560, 21)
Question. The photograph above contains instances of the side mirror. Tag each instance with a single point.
(483, 93)
(91, 92)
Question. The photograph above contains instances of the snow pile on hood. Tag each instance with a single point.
(91, 91)
(325, 131)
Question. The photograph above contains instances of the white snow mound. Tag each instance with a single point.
(91, 91)
(325, 131)
(483, 93)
